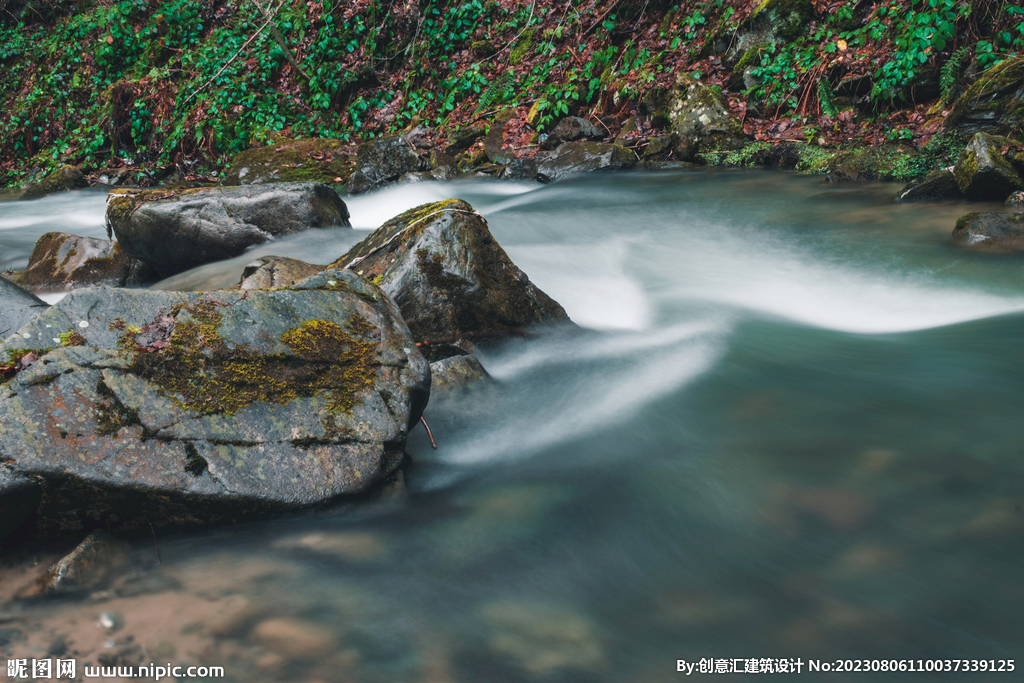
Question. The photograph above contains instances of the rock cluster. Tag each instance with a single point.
(124, 407)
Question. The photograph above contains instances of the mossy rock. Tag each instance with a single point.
(996, 232)
(188, 408)
(61, 180)
(701, 121)
(61, 261)
(522, 47)
(994, 104)
(318, 160)
(788, 19)
(449, 276)
(981, 172)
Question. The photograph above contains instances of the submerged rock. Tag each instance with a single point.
(584, 157)
(448, 275)
(173, 230)
(63, 179)
(61, 261)
(185, 408)
(319, 160)
(543, 637)
(934, 187)
(991, 231)
(981, 171)
(17, 308)
(84, 568)
(454, 375)
(383, 161)
(275, 272)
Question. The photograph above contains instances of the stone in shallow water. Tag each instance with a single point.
(294, 638)
(174, 230)
(84, 568)
(275, 272)
(982, 173)
(991, 231)
(543, 637)
(449, 276)
(238, 404)
(936, 186)
(61, 261)
(572, 158)
(456, 375)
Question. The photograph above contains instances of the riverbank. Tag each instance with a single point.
(142, 92)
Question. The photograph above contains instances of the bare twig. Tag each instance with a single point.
(601, 18)
(429, 433)
(509, 44)
(234, 56)
(153, 531)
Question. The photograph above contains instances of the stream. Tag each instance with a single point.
(791, 430)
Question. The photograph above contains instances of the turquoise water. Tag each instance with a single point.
(790, 430)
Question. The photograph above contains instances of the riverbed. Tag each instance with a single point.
(790, 430)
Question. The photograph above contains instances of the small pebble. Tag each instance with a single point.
(84, 323)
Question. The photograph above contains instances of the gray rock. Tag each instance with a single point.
(448, 275)
(1016, 200)
(17, 307)
(87, 566)
(454, 375)
(570, 129)
(275, 272)
(520, 169)
(190, 408)
(383, 161)
(934, 187)
(176, 230)
(982, 173)
(584, 157)
(61, 261)
(991, 231)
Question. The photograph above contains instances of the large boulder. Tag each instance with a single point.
(572, 158)
(181, 408)
(61, 261)
(176, 230)
(700, 120)
(320, 160)
(17, 308)
(982, 173)
(934, 187)
(448, 275)
(65, 178)
(1003, 232)
(383, 161)
(995, 103)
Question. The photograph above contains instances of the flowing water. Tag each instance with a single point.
(792, 430)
